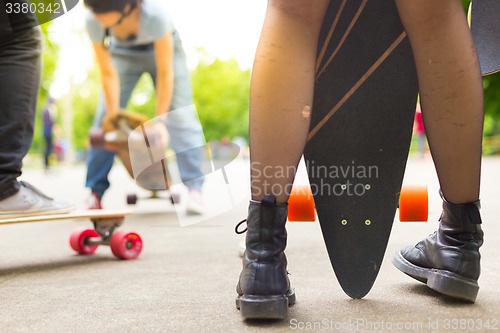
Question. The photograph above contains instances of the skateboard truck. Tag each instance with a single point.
(123, 244)
(105, 228)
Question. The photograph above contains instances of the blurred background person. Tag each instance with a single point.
(132, 37)
(49, 116)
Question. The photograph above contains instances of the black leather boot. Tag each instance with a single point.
(448, 260)
(264, 290)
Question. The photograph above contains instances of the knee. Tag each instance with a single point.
(304, 11)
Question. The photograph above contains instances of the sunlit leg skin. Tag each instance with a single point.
(281, 92)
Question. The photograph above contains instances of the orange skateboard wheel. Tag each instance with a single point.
(413, 203)
(301, 204)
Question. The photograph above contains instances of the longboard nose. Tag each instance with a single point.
(357, 281)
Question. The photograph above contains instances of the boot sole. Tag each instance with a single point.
(265, 307)
(442, 281)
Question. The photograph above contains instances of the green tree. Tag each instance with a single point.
(491, 85)
(49, 58)
(221, 90)
(84, 103)
(143, 99)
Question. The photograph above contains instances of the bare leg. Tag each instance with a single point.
(281, 97)
(281, 93)
(451, 92)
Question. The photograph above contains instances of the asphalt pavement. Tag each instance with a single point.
(185, 278)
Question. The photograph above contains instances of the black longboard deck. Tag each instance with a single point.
(361, 125)
(484, 18)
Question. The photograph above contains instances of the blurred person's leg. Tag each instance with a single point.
(188, 142)
(451, 96)
(186, 133)
(48, 150)
(100, 160)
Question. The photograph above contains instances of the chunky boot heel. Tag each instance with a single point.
(448, 261)
(453, 285)
(264, 290)
(264, 307)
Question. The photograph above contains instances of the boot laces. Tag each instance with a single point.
(238, 226)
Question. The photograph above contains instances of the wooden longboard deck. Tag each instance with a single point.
(91, 214)
(145, 162)
(361, 125)
(484, 20)
(156, 176)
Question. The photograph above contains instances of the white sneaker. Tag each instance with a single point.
(93, 201)
(195, 203)
(29, 201)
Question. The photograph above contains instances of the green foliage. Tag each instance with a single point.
(143, 99)
(49, 57)
(84, 98)
(491, 85)
(466, 4)
(221, 90)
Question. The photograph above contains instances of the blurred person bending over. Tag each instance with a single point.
(132, 37)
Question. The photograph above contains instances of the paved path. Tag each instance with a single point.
(184, 281)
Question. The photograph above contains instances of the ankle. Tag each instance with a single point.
(458, 198)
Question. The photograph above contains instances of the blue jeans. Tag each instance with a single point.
(184, 127)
